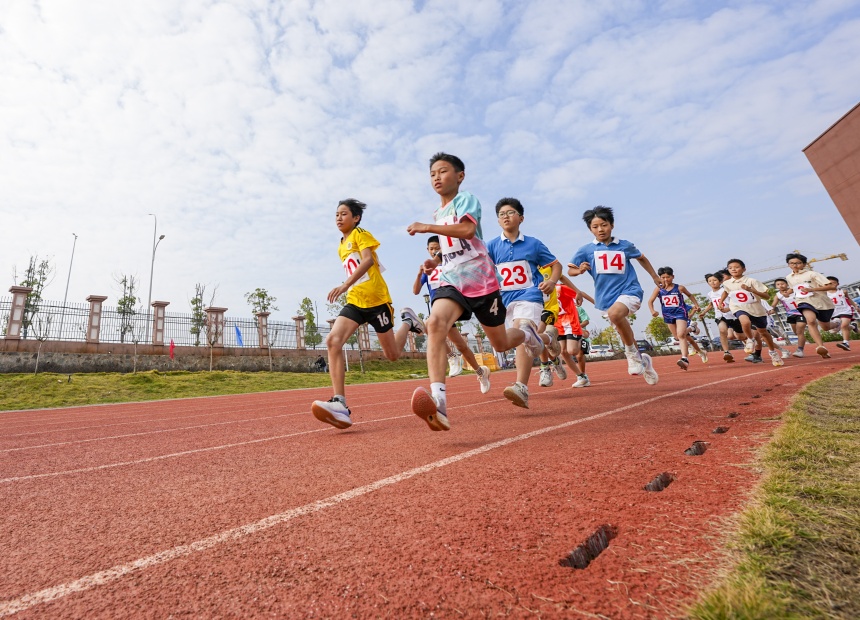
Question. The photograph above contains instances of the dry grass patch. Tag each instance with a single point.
(798, 547)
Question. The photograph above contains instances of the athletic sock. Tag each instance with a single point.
(630, 348)
(341, 398)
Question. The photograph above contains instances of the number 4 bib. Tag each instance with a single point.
(610, 262)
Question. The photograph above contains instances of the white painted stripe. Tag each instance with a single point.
(116, 572)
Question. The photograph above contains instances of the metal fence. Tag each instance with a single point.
(68, 322)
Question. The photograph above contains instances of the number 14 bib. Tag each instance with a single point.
(610, 262)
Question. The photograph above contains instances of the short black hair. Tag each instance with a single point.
(708, 276)
(356, 207)
(736, 260)
(780, 280)
(510, 202)
(796, 255)
(432, 239)
(722, 274)
(604, 213)
(833, 279)
(667, 270)
(455, 161)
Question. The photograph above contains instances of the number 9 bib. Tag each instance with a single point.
(610, 262)
(742, 297)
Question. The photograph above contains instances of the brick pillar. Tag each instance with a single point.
(300, 331)
(16, 312)
(410, 339)
(263, 329)
(480, 342)
(94, 322)
(158, 312)
(215, 326)
(363, 337)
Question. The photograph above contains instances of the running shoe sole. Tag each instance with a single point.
(843, 346)
(650, 375)
(324, 415)
(822, 351)
(512, 395)
(683, 365)
(484, 379)
(424, 407)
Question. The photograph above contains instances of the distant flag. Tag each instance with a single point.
(238, 336)
(172, 346)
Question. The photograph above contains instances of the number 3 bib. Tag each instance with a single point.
(610, 262)
(516, 275)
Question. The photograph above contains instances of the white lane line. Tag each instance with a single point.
(120, 570)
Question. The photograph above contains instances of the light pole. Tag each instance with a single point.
(66, 296)
(427, 301)
(151, 271)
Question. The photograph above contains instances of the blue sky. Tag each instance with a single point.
(241, 123)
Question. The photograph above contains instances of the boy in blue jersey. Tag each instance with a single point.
(518, 260)
(468, 286)
(616, 287)
(676, 314)
(432, 281)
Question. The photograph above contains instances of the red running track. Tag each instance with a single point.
(246, 506)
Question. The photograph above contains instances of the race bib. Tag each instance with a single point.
(516, 275)
(455, 251)
(350, 264)
(742, 297)
(434, 279)
(801, 292)
(838, 298)
(670, 301)
(610, 262)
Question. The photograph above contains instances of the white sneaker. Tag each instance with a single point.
(635, 365)
(427, 408)
(749, 346)
(332, 412)
(553, 348)
(455, 364)
(704, 357)
(776, 359)
(545, 376)
(518, 395)
(484, 379)
(533, 343)
(558, 366)
(416, 325)
(582, 381)
(785, 354)
(649, 373)
(798, 353)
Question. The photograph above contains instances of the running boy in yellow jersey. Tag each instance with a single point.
(367, 301)
(552, 311)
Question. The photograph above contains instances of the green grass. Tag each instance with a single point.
(28, 391)
(798, 545)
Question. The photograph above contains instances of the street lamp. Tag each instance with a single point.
(66, 296)
(427, 301)
(151, 271)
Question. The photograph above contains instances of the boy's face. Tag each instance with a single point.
(735, 270)
(796, 265)
(601, 229)
(509, 219)
(667, 280)
(445, 179)
(433, 249)
(782, 286)
(345, 220)
(714, 282)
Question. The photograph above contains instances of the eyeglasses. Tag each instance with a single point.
(503, 214)
(794, 262)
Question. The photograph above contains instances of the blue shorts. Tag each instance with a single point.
(759, 322)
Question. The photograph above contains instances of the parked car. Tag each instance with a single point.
(644, 345)
(601, 350)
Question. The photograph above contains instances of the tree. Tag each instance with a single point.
(658, 330)
(198, 316)
(126, 306)
(312, 332)
(261, 301)
(37, 276)
(608, 336)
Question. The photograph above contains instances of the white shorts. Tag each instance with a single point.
(632, 303)
(530, 310)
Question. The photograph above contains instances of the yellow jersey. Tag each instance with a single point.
(370, 289)
(550, 302)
